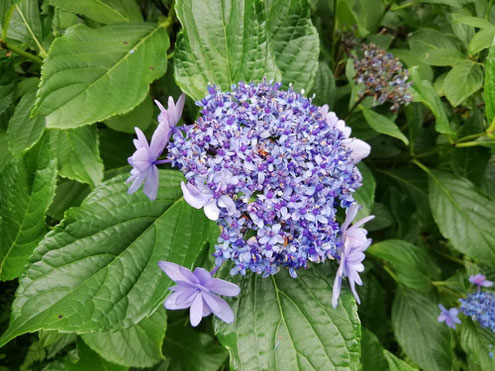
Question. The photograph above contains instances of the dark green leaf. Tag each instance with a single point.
(383, 124)
(69, 193)
(78, 154)
(470, 162)
(222, 42)
(462, 81)
(477, 342)
(372, 358)
(78, 88)
(464, 216)
(435, 48)
(7, 85)
(396, 364)
(85, 359)
(98, 270)
(53, 341)
(324, 87)
(289, 324)
(141, 116)
(365, 195)
(27, 186)
(490, 84)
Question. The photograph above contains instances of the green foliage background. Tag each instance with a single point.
(80, 286)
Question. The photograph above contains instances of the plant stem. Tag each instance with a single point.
(21, 52)
(33, 36)
(358, 102)
(473, 144)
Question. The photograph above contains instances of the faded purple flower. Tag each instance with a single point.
(449, 316)
(354, 243)
(480, 280)
(145, 159)
(197, 290)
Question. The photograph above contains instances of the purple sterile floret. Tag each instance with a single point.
(480, 280)
(145, 159)
(270, 168)
(481, 307)
(449, 316)
(198, 291)
(351, 253)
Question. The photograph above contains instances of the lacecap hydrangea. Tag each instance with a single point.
(272, 170)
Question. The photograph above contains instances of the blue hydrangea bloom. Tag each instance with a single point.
(449, 316)
(481, 307)
(271, 168)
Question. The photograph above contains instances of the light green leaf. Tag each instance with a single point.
(7, 85)
(425, 340)
(401, 254)
(365, 195)
(372, 358)
(481, 40)
(85, 359)
(53, 341)
(24, 131)
(104, 11)
(476, 342)
(137, 346)
(283, 323)
(93, 74)
(472, 21)
(27, 186)
(295, 42)
(222, 42)
(490, 84)
(78, 154)
(464, 216)
(202, 353)
(98, 269)
(397, 364)
(436, 48)
(324, 87)
(140, 116)
(462, 81)
(24, 25)
(383, 124)
(424, 92)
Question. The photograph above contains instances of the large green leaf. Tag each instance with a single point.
(436, 48)
(383, 124)
(490, 84)
(27, 187)
(372, 358)
(222, 42)
(93, 74)
(98, 270)
(140, 116)
(463, 215)
(104, 11)
(425, 340)
(324, 87)
(7, 84)
(24, 131)
(477, 342)
(24, 24)
(294, 41)
(289, 324)
(462, 81)
(396, 364)
(78, 154)
(365, 195)
(85, 359)
(137, 346)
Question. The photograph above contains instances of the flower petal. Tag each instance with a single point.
(151, 183)
(359, 148)
(173, 271)
(196, 311)
(211, 210)
(222, 309)
(171, 303)
(202, 275)
(140, 159)
(138, 181)
(337, 284)
(194, 196)
(222, 287)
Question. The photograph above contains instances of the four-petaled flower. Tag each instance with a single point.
(449, 316)
(196, 290)
(480, 280)
(145, 159)
(354, 243)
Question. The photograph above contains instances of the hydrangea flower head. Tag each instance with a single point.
(481, 307)
(449, 316)
(351, 253)
(145, 159)
(271, 168)
(197, 290)
(480, 280)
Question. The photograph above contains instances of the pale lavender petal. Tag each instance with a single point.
(162, 117)
(139, 179)
(363, 221)
(196, 311)
(336, 289)
(194, 196)
(172, 270)
(351, 214)
(190, 277)
(141, 160)
(143, 142)
(151, 184)
(354, 292)
(224, 312)
(206, 309)
(227, 203)
(202, 275)
(171, 303)
(359, 149)
(222, 287)
(159, 140)
(211, 210)
(210, 300)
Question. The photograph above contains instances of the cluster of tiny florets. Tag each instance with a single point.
(284, 166)
(481, 307)
(382, 76)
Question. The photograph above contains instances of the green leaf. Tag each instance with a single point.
(289, 324)
(24, 24)
(470, 162)
(53, 342)
(85, 359)
(464, 216)
(93, 74)
(472, 21)
(140, 116)
(481, 40)
(69, 193)
(324, 87)
(424, 92)
(222, 42)
(98, 269)
(435, 48)
(425, 340)
(396, 364)
(188, 349)
(490, 84)
(24, 131)
(104, 11)
(372, 358)
(383, 124)
(7, 85)
(365, 195)
(27, 186)
(295, 42)
(137, 346)
(462, 81)
(477, 342)
(411, 264)
(78, 154)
